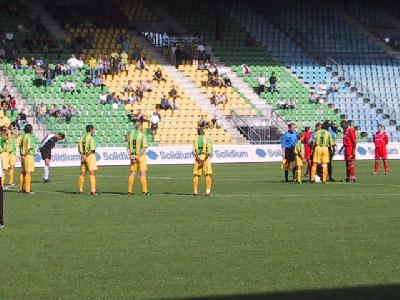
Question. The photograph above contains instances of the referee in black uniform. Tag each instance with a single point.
(48, 143)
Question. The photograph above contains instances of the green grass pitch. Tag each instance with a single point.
(257, 236)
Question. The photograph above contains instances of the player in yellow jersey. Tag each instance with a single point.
(28, 146)
(8, 155)
(87, 150)
(202, 150)
(321, 141)
(137, 145)
(299, 158)
(4, 155)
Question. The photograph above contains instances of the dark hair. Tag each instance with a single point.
(89, 128)
(326, 125)
(28, 128)
(62, 135)
(200, 131)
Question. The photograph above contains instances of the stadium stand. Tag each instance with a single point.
(322, 33)
(234, 52)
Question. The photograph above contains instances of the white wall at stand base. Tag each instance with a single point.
(183, 155)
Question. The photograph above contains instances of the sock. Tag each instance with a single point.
(286, 175)
(386, 165)
(92, 180)
(81, 183)
(298, 175)
(131, 181)
(352, 172)
(376, 168)
(28, 183)
(294, 173)
(11, 180)
(3, 179)
(195, 183)
(330, 171)
(143, 183)
(313, 172)
(324, 173)
(208, 184)
(46, 172)
(348, 170)
(21, 182)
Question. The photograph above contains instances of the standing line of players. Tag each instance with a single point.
(316, 150)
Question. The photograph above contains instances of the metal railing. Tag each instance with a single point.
(255, 134)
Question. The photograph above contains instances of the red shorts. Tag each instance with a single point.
(348, 153)
(380, 152)
(307, 152)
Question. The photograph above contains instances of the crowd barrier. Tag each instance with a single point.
(117, 156)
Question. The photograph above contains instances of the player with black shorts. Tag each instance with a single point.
(48, 143)
(289, 141)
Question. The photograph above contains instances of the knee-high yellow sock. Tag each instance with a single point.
(324, 173)
(81, 183)
(195, 184)
(21, 182)
(208, 184)
(28, 183)
(131, 181)
(298, 175)
(143, 182)
(11, 179)
(92, 183)
(313, 172)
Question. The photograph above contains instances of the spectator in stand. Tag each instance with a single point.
(222, 99)
(215, 122)
(106, 66)
(158, 76)
(115, 105)
(32, 62)
(41, 112)
(154, 120)
(53, 112)
(98, 81)
(147, 86)
(111, 98)
(283, 105)
(40, 62)
(12, 104)
(103, 98)
(313, 97)
(74, 64)
(125, 44)
(92, 67)
(133, 99)
(38, 76)
(24, 63)
(246, 70)
(322, 90)
(332, 90)
(165, 104)
(124, 62)
(179, 56)
(213, 99)
(21, 121)
(49, 74)
(272, 83)
(137, 54)
(291, 104)
(261, 84)
(141, 64)
(115, 60)
(226, 80)
(128, 89)
(99, 66)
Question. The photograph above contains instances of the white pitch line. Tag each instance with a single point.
(233, 195)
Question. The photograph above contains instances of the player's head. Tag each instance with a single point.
(300, 136)
(90, 129)
(326, 125)
(291, 127)
(307, 128)
(59, 136)
(344, 124)
(318, 126)
(139, 125)
(28, 128)
(200, 131)
(380, 128)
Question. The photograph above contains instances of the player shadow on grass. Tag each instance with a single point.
(375, 292)
(87, 193)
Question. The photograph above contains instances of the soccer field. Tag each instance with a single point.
(256, 236)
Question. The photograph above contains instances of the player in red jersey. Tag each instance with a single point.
(381, 140)
(349, 147)
(307, 149)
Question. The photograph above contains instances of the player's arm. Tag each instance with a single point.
(144, 146)
(354, 140)
(386, 139)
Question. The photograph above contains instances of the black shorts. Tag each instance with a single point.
(46, 154)
(289, 154)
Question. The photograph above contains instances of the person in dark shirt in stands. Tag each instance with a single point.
(272, 83)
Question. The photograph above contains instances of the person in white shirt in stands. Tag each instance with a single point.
(103, 98)
(154, 120)
(261, 84)
(74, 64)
(322, 89)
(9, 36)
(115, 105)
